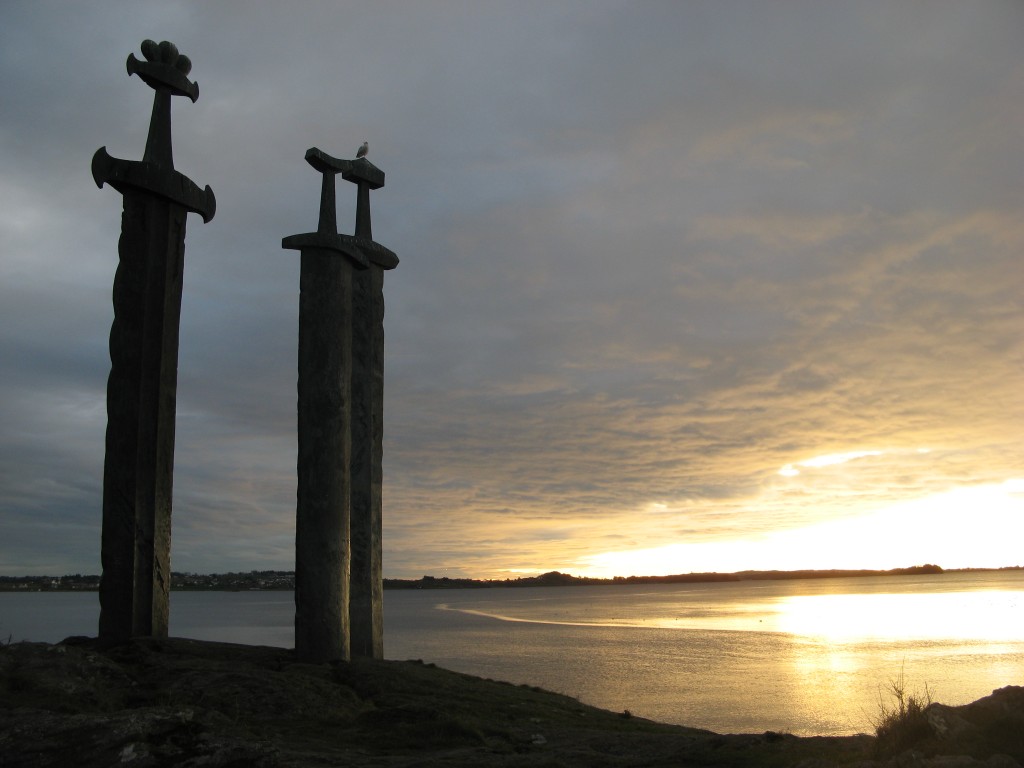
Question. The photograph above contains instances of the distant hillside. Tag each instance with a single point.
(558, 579)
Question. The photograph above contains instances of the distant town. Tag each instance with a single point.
(285, 580)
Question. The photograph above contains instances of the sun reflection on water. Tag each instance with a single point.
(986, 616)
(992, 617)
(804, 656)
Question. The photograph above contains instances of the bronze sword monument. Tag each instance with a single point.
(331, 437)
(142, 386)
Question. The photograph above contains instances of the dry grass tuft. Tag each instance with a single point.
(902, 722)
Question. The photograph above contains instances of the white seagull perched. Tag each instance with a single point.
(363, 150)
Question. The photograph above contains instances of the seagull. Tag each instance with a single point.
(363, 150)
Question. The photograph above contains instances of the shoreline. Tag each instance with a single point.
(189, 702)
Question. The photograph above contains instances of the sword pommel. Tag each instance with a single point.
(164, 69)
(324, 163)
(362, 171)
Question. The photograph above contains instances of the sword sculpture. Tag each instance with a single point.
(366, 610)
(329, 520)
(322, 552)
(141, 390)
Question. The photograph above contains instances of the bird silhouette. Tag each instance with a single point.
(363, 150)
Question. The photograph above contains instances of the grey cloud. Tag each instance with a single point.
(648, 256)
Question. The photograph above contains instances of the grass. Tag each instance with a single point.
(901, 723)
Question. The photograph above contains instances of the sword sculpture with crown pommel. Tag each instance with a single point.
(141, 390)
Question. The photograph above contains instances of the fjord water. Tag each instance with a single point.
(806, 657)
(800, 656)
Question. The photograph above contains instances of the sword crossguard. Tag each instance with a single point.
(147, 177)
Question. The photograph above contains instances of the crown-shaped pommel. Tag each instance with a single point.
(164, 68)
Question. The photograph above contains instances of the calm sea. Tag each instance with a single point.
(804, 656)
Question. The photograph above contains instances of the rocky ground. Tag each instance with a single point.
(189, 703)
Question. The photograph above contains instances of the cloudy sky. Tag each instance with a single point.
(684, 286)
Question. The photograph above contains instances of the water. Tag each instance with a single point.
(803, 656)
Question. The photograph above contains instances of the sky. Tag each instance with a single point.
(684, 286)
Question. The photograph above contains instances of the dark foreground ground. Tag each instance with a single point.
(189, 703)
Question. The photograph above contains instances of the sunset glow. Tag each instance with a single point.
(678, 291)
(954, 529)
(826, 461)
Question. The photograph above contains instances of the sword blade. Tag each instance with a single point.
(141, 403)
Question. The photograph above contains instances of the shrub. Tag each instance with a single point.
(902, 724)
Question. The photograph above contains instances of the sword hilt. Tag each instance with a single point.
(165, 70)
(360, 248)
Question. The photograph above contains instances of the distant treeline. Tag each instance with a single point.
(558, 579)
(285, 580)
